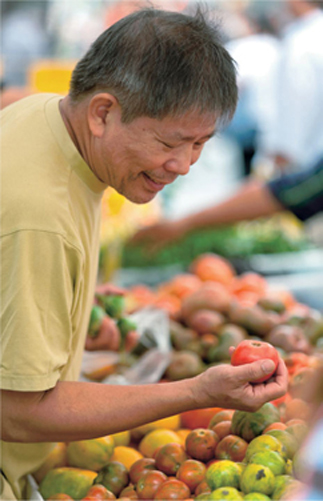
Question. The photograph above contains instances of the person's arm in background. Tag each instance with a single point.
(299, 192)
(251, 201)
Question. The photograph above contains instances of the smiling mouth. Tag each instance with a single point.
(155, 185)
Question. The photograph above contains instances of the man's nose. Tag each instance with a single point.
(182, 161)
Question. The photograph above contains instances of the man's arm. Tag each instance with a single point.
(79, 411)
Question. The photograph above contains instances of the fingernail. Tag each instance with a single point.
(267, 366)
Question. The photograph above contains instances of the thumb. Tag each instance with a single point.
(256, 370)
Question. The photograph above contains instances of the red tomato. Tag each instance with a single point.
(278, 402)
(231, 447)
(224, 415)
(251, 350)
(295, 361)
(170, 457)
(200, 444)
(139, 466)
(98, 491)
(173, 489)
(222, 429)
(191, 472)
(202, 488)
(129, 492)
(149, 483)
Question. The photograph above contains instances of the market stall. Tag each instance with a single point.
(187, 324)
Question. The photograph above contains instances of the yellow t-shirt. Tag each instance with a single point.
(50, 225)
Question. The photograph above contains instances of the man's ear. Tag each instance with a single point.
(100, 107)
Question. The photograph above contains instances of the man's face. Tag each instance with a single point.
(140, 158)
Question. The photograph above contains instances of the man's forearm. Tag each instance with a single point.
(77, 410)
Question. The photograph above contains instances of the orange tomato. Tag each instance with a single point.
(247, 298)
(298, 408)
(281, 401)
(302, 383)
(198, 418)
(191, 472)
(182, 285)
(139, 296)
(61, 496)
(286, 297)
(294, 421)
(249, 282)
(209, 266)
(275, 426)
(171, 304)
(295, 360)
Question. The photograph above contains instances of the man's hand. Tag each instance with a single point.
(233, 387)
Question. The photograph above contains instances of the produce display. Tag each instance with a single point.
(273, 235)
(215, 453)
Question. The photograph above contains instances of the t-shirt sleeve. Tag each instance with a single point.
(301, 192)
(37, 293)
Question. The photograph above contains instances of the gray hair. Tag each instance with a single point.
(159, 63)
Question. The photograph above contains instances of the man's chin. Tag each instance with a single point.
(140, 198)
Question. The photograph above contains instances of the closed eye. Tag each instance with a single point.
(168, 145)
(199, 145)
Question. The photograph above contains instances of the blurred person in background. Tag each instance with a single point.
(24, 39)
(254, 45)
(296, 140)
(278, 121)
(143, 101)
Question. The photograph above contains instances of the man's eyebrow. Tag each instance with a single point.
(179, 137)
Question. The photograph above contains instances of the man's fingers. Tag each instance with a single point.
(250, 373)
(281, 374)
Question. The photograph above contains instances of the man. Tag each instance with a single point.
(143, 101)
